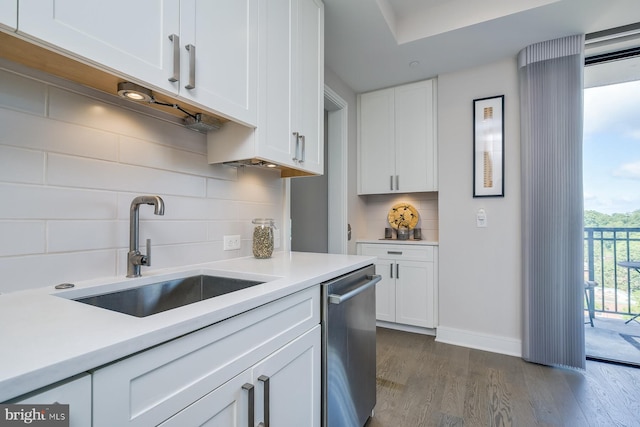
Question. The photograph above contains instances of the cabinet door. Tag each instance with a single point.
(414, 293)
(415, 137)
(308, 84)
(9, 15)
(376, 147)
(225, 36)
(386, 291)
(293, 383)
(151, 386)
(75, 392)
(228, 406)
(275, 140)
(129, 37)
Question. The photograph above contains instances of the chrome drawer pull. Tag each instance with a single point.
(176, 57)
(192, 66)
(394, 252)
(265, 379)
(249, 388)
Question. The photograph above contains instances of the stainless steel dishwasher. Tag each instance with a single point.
(349, 348)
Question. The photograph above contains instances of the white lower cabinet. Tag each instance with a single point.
(198, 379)
(286, 377)
(407, 293)
(75, 392)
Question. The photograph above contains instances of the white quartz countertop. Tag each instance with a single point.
(46, 337)
(399, 242)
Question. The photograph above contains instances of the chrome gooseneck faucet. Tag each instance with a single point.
(134, 258)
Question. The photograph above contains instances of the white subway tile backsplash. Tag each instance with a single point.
(27, 131)
(71, 167)
(68, 236)
(36, 271)
(74, 108)
(70, 171)
(17, 165)
(143, 153)
(181, 208)
(42, 202)
(22, 238)
(216, 230)
(169, 232)
(22, 94)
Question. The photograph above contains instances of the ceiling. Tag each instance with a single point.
(371, 44)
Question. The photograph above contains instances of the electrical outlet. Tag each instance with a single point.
(231, 243)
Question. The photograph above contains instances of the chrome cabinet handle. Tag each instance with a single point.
(397, 271)
(192, 66)
(394, 252)
(391, 270)
(176, 57)
(251, 413)
(337, 299)
(265, 380)
(302, 149)
(295, 156)
(391, 182)
(397, 182)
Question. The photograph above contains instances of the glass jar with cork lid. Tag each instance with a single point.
(263, 237)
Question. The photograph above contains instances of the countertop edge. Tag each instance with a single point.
(289, 278)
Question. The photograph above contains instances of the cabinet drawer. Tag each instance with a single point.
(75, 392)
(399, 251)
(149, 387)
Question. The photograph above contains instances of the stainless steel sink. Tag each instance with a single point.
(158, 297)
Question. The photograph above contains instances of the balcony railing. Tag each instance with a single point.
(618, 290)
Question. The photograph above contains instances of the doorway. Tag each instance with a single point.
(318, 205)
(611, 170)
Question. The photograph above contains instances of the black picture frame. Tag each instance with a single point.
(488, 147)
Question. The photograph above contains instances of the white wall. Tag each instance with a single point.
(480, 269)
(70, 166)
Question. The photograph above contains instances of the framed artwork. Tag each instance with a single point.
(488, 147)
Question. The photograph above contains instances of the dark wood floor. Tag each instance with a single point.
(425, 383)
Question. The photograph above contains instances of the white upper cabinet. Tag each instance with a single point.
(9, 15)
(202, 51)
(397, 150)
(225, 36)
(290, 95)
(129, 37)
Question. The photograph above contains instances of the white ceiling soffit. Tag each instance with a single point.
(411, 20)
(370, 44)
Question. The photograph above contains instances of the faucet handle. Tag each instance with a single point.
(147, 258)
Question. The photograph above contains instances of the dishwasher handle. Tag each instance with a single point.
(337, 299)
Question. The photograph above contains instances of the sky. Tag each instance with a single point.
(611, 155)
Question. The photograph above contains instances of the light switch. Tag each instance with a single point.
(481, 218)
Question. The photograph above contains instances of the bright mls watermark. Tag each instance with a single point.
(55, 415)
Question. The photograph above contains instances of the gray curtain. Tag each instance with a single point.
(551, 114)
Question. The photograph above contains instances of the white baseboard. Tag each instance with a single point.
(406, 328)
(479, 341)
